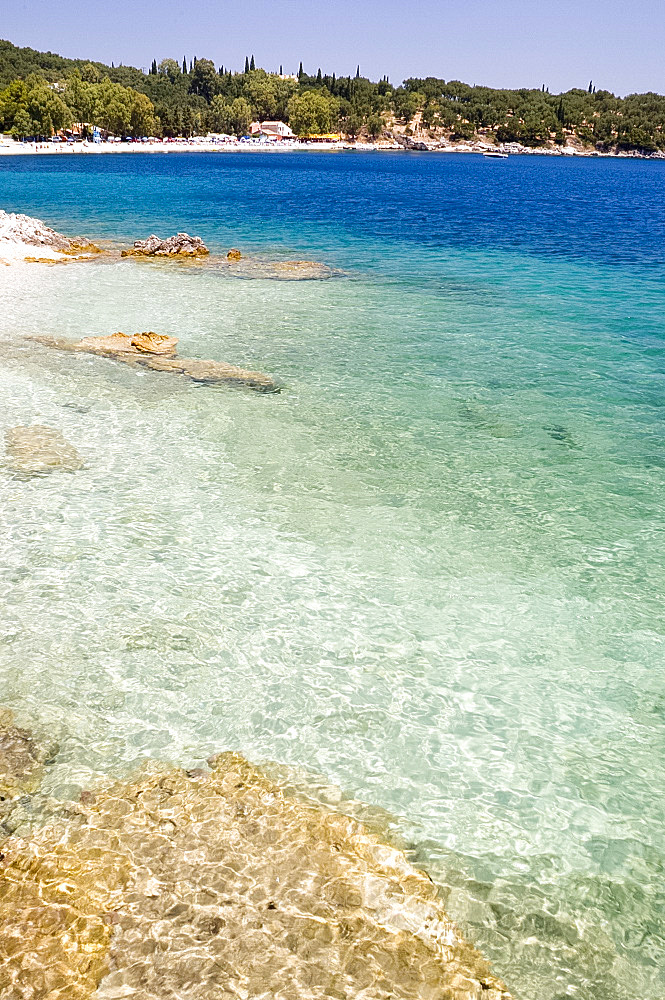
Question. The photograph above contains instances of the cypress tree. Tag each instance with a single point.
(590, 85)
(252, 64)
(281, 70)
(318, 77)
(191, 66)
(300, 72)
(246, 65)
(153, 68)
(358, 72)
(221, 71)
(184, 65)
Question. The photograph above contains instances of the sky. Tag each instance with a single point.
(500, 43)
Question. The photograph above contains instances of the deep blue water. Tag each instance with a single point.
(585, 209)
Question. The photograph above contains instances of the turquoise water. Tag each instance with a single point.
(430, 570)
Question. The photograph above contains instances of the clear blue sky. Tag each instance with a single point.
(502, 43)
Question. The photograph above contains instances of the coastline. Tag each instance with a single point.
(407, 145)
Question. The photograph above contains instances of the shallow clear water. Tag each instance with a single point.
(431, 569)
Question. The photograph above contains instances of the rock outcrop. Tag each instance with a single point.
(234, 255)
(34, 450)
(119, 343)
(217, 884)
(181, 245)
(137, 350)
(20, 234)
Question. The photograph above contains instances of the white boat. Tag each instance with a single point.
(496, 154)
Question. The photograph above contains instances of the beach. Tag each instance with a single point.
(410, 144)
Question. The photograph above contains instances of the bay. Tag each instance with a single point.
(430, 570)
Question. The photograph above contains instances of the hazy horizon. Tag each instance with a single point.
(517, 45)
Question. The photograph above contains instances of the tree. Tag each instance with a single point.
(246, 65)
(141, 115)
(81, 97)
(153, 68)
(184, 66)
(300, 72)
(311, 113)
(170, 69)
(375, 126)
(22, 126)
(252, 65)
(261, 93)
(204, 79)
(230, 117)
(462, 130)
(90, 73)
(241, 116)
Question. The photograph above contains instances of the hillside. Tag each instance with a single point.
(43, 92)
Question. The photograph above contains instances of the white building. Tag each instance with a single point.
(272, 130)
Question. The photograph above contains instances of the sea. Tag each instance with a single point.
(428, 574)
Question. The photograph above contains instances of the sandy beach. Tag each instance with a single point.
(89, 148)
(12, 148)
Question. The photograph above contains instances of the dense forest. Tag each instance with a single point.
(42, 93)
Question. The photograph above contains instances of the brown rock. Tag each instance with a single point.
(154, 343)
(220, 885)
(37, 449)
(234, 255)
(283, 270)
(114, 343)
(123, 348)
(181, 245)
(21, 757)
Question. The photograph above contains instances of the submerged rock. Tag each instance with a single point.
(212, 885)
(137, 350)
(181, 245)
(36, 449)
(282, 270)
(22, 759)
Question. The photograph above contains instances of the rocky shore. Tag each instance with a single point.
(180, 245)
(393, 142)
(24, 238)
(213, 883)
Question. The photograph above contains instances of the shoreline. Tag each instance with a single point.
(410, 145)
